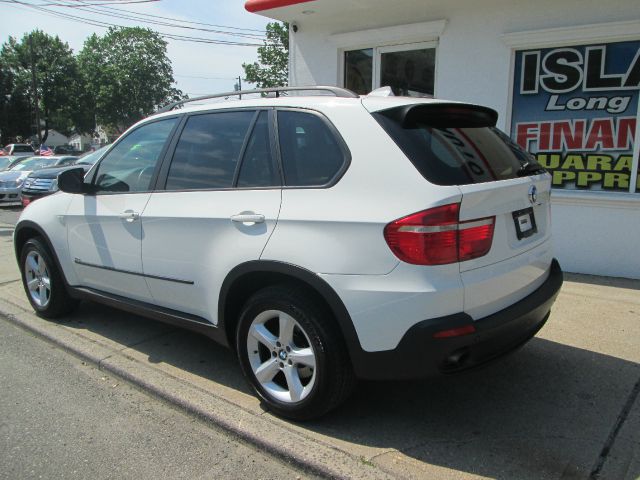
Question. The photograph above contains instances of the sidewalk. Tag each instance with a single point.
(565, 406)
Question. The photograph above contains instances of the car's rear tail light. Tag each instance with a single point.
(437, 236)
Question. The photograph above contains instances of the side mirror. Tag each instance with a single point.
(72, 181)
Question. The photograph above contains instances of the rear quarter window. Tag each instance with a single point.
(312, 153)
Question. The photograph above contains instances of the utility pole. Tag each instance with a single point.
(34, 86)
(239, 86)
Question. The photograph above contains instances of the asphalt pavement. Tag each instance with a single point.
(565, 406)
(61, 417)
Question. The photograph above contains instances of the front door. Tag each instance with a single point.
(104, 228)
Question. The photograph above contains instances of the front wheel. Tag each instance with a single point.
(292, 354)
(43, 282)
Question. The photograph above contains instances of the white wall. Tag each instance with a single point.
(595, 234)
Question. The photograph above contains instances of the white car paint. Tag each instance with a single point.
(335, 232)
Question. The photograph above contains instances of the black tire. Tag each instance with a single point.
(55, 301)
(330, 382)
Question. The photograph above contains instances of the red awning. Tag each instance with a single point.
(260, 5)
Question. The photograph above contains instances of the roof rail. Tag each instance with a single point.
(337, 91)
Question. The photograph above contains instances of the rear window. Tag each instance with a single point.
(457, 152)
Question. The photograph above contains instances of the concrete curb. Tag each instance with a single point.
(262, 430)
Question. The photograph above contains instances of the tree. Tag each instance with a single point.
(128, 75)
(44, 67)
(272, 67)
(15, 114)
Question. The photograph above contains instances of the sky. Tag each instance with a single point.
(220, 65)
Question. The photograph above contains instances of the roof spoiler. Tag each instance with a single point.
(443, 115)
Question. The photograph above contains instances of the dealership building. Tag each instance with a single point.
(564, 76)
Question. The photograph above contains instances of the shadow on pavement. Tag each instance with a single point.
(543, 412)
(617, 282)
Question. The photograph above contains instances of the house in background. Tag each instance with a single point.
(564, 76)
(54, 139)
(81, 142)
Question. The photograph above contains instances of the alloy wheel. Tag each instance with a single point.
(281, 356)
(37, 278)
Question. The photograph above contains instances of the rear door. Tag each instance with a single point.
(498, 186)
(219, 205)
(502, 187)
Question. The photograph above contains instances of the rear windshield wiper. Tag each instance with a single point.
(528, 168)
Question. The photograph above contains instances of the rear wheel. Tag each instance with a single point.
(43, 282)
(292, 354)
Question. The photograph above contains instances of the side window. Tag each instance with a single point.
(311, 154)
(207, 153)
(257, 169)
(129, 166)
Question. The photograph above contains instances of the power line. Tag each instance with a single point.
(183, 21)
(103, 24)
(138, 18)
(205, 78)
(105, 2)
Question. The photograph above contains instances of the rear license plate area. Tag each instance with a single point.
(525, 223)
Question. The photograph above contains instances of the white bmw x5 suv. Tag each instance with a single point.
(323, 237)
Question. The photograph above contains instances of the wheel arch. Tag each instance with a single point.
(247, 278)
(26, 230)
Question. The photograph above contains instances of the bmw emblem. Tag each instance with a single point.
(533, 195)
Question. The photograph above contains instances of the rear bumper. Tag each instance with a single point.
(419, 354)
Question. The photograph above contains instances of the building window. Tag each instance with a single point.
(358, 70)
(576, 109)
(408, 69)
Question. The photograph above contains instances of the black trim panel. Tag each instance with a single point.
(166, 315)
(129, 272)
(419, 354)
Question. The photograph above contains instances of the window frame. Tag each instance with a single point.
(346, 153)
(376, 59)
(163, 177)
(90, 179)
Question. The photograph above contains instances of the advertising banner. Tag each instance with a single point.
(575, 108)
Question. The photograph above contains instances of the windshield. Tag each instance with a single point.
(34, 163)
(93, 157)
(4, 162)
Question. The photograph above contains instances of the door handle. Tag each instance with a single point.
(129, 215)
(248, 218)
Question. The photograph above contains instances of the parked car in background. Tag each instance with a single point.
(19, 150)
(45, 181)
(12, 179)
(66, 150)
